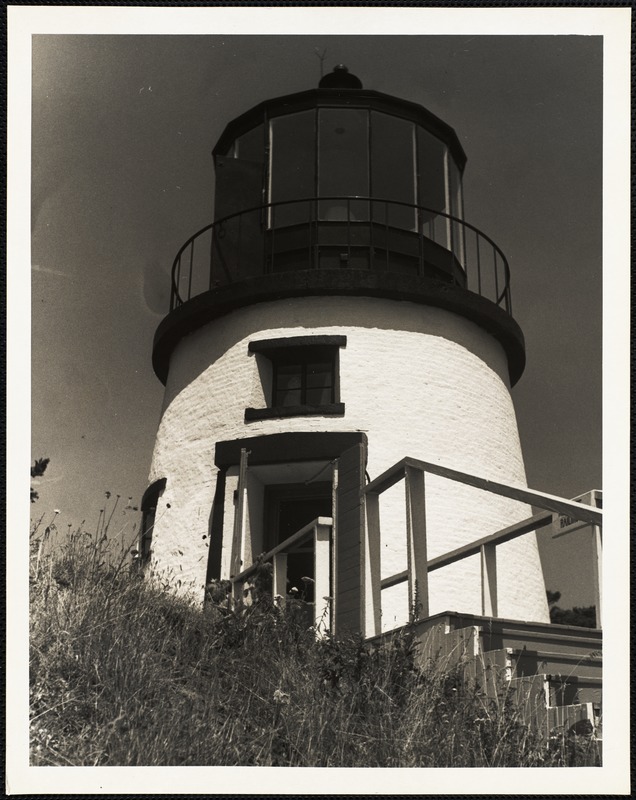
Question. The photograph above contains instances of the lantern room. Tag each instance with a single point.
(341, 177)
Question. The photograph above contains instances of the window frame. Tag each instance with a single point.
(149, 503)
(299, 349)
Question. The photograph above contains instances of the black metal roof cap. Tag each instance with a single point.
(340, 78)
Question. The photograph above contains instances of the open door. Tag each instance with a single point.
(288, 508)
(348, 533)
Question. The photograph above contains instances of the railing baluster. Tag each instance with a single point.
(348, 231)
(416, 543)
(322, 581)
(597, 572)
(371, 235)
(494, 258)
(386, 232)
(211, 257)
(316, 244)
(478, 264)
(272, 252)
(279, 577)
(420, 243)
(239, 247)
(190, 275)
(310, 259)
(489, 580)
(370, 560)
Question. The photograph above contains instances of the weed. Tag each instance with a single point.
(123, 672)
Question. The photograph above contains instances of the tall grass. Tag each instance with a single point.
(125, 673)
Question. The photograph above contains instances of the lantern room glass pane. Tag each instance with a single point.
(343, 162)
(251, 146)
(433, 192)
(457, 209)
(292, 166)
(393, 169)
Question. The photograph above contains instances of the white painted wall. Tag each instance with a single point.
(417, 380)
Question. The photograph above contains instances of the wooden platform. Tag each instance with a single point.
(555, 671)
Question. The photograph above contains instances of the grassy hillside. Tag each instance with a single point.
(124, 673)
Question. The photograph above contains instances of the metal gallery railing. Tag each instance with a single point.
(340, 231)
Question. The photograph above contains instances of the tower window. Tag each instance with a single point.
(302, 376)
(148, 512)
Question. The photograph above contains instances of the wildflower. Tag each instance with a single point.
(280, 697)
(307, 580)
(293, 590)
(107, 495)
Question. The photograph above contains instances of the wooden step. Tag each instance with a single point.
(566, 665)
(558, 691)
(504, 632)
(561, 641)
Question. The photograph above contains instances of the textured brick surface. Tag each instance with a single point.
(419, 381)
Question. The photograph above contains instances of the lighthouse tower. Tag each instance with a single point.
(338, 315)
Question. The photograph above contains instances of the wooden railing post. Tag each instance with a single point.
(416, 543)
(370, 567)
(597, 572)
(322, 587)
(279, 577)
(238, 534)
(488, 580)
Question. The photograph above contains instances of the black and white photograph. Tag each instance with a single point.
(318, 351)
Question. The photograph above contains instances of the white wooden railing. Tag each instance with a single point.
(413, 472)
(318, 533)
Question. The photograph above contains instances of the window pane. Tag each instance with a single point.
(320, 396)
(289, 376)
(393, 169)
(292, 165)
(293, 397)
(319, 374)
(343, 162)
(288, 387)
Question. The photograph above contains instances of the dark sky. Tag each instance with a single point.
(122, 130)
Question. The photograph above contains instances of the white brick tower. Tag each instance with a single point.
(338, 315)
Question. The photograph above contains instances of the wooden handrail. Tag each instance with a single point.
(504, 535)
(417, 575)
(295, 538)
(549, 502)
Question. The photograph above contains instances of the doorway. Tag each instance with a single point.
(288, 508)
